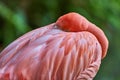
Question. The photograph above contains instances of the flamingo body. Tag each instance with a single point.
(52, 53)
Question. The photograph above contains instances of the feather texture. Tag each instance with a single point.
(44, 55)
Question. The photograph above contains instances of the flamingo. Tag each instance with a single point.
(69, 49)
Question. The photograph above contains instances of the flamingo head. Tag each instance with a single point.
(72, 22)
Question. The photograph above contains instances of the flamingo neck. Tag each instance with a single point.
(73, 22)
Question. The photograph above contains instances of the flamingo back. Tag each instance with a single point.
(51, 54)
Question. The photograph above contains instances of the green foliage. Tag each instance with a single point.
(19, 17)
(14, 24)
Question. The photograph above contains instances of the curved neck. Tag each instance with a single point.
(100, 36)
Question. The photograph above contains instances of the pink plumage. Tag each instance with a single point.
(69, 49)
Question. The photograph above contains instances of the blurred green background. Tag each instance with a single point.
(20, 16)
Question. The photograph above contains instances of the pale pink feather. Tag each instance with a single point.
(49, 53)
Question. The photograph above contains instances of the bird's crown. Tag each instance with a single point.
(72, 22)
